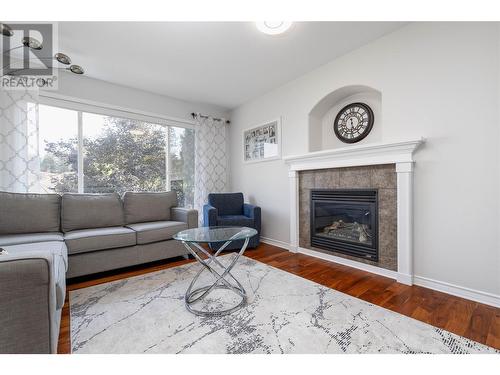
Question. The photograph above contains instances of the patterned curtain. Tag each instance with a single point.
(211, 164)
(19, 153)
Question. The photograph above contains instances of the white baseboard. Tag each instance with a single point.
(404, 278)
(276, 243)
(441, 286)
(351, 263)
(459, 291)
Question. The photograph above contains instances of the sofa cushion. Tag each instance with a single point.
(56, 249)
(85, 240)
(15, 239)
(86, 211)
(235, 221)
(157, 231)
(227, 203)
(29, 213)
(147, 207)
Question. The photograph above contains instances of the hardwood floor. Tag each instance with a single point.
(470, 319)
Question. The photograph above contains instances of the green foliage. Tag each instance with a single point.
(127, 156)
(62, 160)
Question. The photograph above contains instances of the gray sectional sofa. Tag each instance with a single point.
(47, 238)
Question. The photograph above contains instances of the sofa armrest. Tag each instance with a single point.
(27, 306)
(209, 216)
(253, 212)
(186, 215)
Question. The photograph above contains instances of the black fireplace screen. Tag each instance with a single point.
(345, 221)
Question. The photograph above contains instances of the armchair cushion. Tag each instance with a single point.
(235, 221)
(227, 203)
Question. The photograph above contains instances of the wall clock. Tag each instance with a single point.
(353, 123)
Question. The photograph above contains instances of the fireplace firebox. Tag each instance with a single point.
(345, 221)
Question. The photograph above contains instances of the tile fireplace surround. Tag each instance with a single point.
(380, 177)
(360, 166)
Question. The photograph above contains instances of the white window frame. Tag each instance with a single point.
(83, 106)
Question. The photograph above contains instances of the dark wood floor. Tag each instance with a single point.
(473, 320)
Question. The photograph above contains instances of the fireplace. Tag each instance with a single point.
(345, 221)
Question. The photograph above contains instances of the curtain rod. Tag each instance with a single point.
(194, 115)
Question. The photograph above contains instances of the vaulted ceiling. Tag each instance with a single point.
(222, 63)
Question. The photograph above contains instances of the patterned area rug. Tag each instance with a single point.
(285, 314)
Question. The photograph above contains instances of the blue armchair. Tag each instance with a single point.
(229, 209)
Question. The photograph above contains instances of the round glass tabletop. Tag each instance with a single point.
(215, 234)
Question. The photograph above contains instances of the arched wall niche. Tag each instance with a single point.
(322, 116)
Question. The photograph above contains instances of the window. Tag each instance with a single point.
(115, 154)
(58, 149)
(180, 168)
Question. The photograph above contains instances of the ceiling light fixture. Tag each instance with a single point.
(273, 27)
(62, 58)
(6, 30)
(35, 44)
(32, 43)
(77, 69)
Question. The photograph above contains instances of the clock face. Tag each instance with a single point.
(353, 122)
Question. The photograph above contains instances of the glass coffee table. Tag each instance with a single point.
(192, 239)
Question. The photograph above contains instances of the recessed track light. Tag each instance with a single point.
(35, 44)
(6, 30)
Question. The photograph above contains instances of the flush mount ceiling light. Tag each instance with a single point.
(273, 27)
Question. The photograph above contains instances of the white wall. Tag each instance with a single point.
(439, 81)
(93, 90)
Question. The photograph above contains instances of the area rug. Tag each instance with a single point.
(285, 314)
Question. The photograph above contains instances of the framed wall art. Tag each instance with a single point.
(262, 142)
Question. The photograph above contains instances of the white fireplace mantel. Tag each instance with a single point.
(398, 153)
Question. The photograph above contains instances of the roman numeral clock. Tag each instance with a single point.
(353, 123)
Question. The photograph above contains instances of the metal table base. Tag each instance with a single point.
(224, 280)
